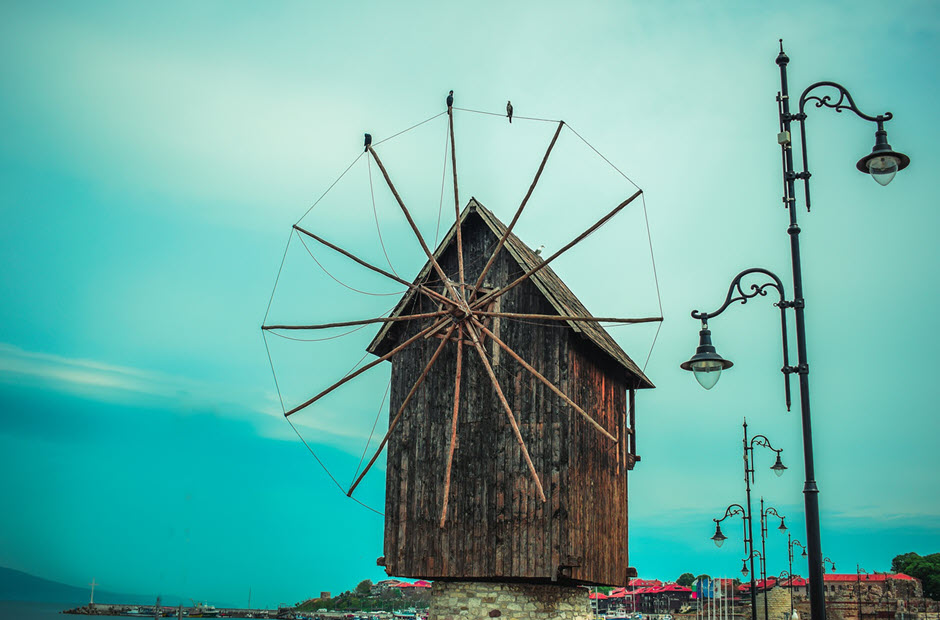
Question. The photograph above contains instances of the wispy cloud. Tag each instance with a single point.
(86, 376)
(102, 381)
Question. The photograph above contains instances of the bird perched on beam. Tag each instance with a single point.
(368, 140)
(450, 100)
(509, 110)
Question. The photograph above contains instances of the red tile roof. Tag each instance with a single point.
(864, 577)
(796, 582)
(642, 583)
(421, 583)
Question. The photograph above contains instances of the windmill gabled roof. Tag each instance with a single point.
(545, 280)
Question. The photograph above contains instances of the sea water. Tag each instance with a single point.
(20, 610)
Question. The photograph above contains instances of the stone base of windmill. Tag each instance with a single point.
(478, 600)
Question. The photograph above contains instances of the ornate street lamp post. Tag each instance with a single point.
(736, 509)
(786, 576)
(882, 163)
(858, 587)
(770, 510)
(720, 538)
(790, 545)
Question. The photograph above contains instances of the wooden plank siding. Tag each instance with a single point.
(497, 527)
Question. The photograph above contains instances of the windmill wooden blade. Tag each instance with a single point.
(515, 218)
(565, 317)
(394, 422)
(372, 267)
(507, 409)
(385, 319)
(548, 383)
(486, 298)
(453, 159)
(352, 376)
(414, 227)
(453, 426)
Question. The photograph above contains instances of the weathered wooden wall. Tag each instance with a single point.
(496, 526)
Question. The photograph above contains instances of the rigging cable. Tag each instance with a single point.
(378, 414)
(659, 298)
(409, 129)
(591, 146)
(309, 449)
(341, 283)
(329, 188)
(335, 481)
(377, 228)
(503, 115)
(316, 339)
(440, 206)
(276, 279)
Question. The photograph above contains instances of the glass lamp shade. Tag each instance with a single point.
(783, 526)
(883, 162)
(707, 372)
(706, 364)
(719, 538)
(779, 467)
(744, 570)
(883, 168)
(804, 553)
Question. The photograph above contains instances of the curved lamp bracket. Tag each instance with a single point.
(736, 292)
(733, 509)
(844, 102)
(761, 440)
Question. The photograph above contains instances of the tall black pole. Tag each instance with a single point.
(858, 589)
(748, 470)
(790, 569)
(763, 554)
(817, 597)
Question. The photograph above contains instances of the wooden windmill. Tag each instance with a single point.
(511, 427)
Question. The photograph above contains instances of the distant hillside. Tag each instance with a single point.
(19, 586)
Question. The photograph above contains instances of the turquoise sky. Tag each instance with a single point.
(154, 157)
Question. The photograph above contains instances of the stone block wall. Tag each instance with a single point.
(475, 600)
(778, 604)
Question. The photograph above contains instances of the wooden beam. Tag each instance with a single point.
(350, 255)
(548, 383)
(352, 376)
(562, 317)
(502, 399)
(394, 422)
(386, 319)
(496, 293)
(453, 159)
(414, 227)
(453, 427)
(502, 240)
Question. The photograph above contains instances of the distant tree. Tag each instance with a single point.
(926, 568)
(901, 561)
(364, 587)
(686, 579)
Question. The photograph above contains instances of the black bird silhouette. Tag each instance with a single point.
(509, 110)
(450, 100)
(368, 140)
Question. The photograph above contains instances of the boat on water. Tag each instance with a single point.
(205, 611)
